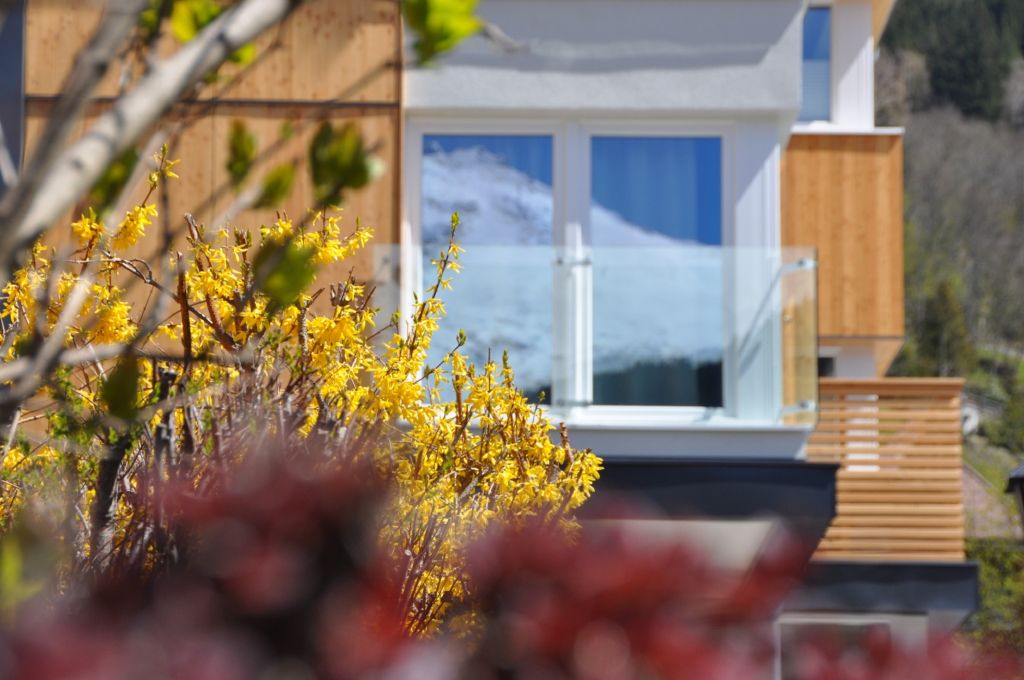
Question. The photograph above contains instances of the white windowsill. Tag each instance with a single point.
(651, 436)
(678, 420)
(825, 128)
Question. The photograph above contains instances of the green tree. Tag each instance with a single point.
(969, 60)
(1000, 616)
(944, 344)
(1008, 430)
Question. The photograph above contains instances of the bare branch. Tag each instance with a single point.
(142, 168)
(22, 368)
(502, 40)
(77, 169)
(242, 202)
(8, 173)
(91, 65)
(300, 122)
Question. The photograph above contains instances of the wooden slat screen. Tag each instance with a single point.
(899, 490)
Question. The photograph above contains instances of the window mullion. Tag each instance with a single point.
(574, 366)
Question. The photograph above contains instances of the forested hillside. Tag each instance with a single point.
(952, 73)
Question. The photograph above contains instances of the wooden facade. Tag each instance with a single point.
(335, 61)
(842, 194)
(900, 486)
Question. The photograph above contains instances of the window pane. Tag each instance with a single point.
(501, 187)
(817, 57)
(656, 230)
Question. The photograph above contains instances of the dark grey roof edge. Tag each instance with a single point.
(801, 494)
(949, 588)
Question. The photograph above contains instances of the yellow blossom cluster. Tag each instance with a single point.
(230, 335)
(134, 226)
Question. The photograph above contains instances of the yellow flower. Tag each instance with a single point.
(88, 228)
(279, 231)
(134, 226)
(462, 465)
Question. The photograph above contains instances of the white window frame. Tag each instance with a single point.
(851, 73)
(572, 342)
(832, 75)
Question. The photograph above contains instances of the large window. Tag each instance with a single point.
(592, 256)
(816, 103)
(655, 208)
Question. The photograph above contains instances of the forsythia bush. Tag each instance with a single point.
(232, 347)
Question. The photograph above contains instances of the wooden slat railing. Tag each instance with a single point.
(899, 490)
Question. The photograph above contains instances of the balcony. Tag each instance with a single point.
(899, 493)
(690, 327)
(632, 345)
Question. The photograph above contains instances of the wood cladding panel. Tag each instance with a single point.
(328, 49)
(205, 191)
(55, 31)
(899, 489)
(334, 60)
(843, 194)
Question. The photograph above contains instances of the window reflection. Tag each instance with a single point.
(656, 227)
(501, 187)
(816, 103)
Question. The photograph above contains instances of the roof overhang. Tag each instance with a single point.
(700, 59)
(727, 509)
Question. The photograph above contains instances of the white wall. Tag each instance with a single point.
(753, 375)
(853, 64)
(689, 57)
(851, 361)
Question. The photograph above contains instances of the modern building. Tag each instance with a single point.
(682, 223)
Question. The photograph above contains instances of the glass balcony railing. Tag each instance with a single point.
(729, 331)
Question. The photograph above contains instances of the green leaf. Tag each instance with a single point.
(439, 25)
(183, 22)
(149, 19)
(120, 392)
(283, 271)
(241, 152)
(244, 55)
(338, 160)
(107, 188)
(277, 184)
(15, 587)
(188, 17)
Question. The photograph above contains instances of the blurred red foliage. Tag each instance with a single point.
(278, 576)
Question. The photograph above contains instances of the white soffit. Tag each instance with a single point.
(651, 56)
